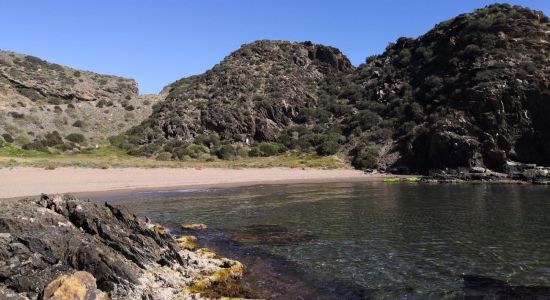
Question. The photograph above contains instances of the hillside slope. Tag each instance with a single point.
(474, 91)
(38, 98)
(254, 94)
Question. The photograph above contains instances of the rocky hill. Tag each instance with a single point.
(254, 94)
(474, 91)
(43, 103)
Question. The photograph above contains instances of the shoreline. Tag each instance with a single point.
(23, 182)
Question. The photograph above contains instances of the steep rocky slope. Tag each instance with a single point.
(474, 91)
(38, 98)
(253, 94)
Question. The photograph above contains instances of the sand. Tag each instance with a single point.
(18, 182)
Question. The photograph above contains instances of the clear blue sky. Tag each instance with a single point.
(158, 42)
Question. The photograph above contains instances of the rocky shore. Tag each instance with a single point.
(513, 173)
(59, 247)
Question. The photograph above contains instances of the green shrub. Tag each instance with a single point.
(145, 150)
(16, 115)
(22, 139)
(164, 156)
(76, 138)
(101, 103)
(366, 158)
(8, 138)
(267, 149)
(64, 147)
(328, 147)
(37, 145)
(53, 138)
(329, 144)
(226, 152)
(121, 141)
(210, 141)
(242, 152)
(254, 152)
(32, 94)
(270, 149)
(195, 151)
(78, 123)
(367, 119)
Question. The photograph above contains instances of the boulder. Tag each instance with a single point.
(77, 286)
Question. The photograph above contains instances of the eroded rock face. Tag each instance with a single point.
(43, 241)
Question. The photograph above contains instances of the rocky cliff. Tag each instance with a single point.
(474, 91)
(38, 98)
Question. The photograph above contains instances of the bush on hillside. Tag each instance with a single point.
(163, 156)
(266, 149)
(227, 152)
(196, 151)
(53, 138)
(8, 138)
(366, 157)
(76, 138)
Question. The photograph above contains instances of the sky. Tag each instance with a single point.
(158, 42)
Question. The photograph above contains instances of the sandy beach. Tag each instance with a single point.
(18, 182)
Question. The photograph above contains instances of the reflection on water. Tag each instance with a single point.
(394, 240)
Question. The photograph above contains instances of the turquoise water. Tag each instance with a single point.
(381, 240)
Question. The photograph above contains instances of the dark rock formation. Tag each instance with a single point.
(52, 236)
(471, 92)
(479, 287)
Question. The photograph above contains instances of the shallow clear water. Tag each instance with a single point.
(410, 241)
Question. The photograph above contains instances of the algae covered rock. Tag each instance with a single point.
(77, 286)
(60, 247)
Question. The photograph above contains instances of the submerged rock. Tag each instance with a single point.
(43, 242)
(194, 226)
(479, 287)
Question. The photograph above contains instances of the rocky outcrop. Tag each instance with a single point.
(45, 242)
(43, 80)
